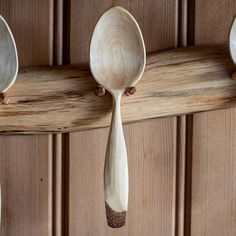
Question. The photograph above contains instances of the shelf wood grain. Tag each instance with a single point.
(175, 82)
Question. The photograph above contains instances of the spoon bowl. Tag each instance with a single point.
(8, 57)
(117, 61)
(117, 51)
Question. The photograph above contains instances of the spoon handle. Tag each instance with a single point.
(116, 171)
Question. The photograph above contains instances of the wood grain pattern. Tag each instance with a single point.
(157, 20)
(213, 195)
(213, 19)
(213, 174)
(32, 26)
(26, 184)
(176, 82)
(26, 161)
(151, 147)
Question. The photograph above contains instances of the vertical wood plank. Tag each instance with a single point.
(151, 145)
(213, 174)
(213, 195)
(152, 186)
(157, 19)
(26, 161)
(84, 15)
(213, 19)
(25, 177)
(31, 23)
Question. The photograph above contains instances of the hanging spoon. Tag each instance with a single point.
(117, 61)
(232, 41)
(8, 59)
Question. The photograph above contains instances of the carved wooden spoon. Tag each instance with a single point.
(8, 59)
(232, 41)
(117, 61)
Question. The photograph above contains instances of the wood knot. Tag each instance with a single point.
(100, 91)
(130, 91)
(115, 219)
(4, 98)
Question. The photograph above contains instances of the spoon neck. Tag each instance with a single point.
(117, 103)
(116, 117)
(117, 96)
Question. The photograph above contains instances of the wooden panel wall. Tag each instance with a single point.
(25, 169)
(156, 148)
(157, 19)
(32, 25)
(26, 161)
(213, 179)
(151, 149)
(151, 144)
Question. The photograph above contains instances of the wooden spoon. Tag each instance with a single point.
(8, 58)
(232, 41)
(117, 61)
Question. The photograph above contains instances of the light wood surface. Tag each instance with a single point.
(26, 161)
(26, 185)
(61, 99)
(8, 57)
(213, 195)
(117, 51)
(117, 62)
(152, 166)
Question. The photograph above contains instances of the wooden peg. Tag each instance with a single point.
(4, 98)
(100, 91)
(130, 91)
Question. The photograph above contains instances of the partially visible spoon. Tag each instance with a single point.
(8, 58)
(117, 61)
(232, 41)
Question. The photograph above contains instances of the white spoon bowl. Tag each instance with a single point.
(8, 57)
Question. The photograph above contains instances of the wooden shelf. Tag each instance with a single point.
(62, 99)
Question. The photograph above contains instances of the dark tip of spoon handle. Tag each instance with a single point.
(115, 219)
